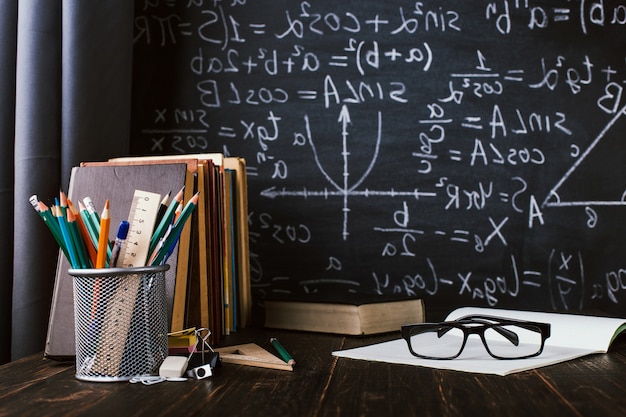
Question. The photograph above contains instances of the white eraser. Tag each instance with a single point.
(173, 367)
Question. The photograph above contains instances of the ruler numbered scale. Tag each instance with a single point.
(142, 218)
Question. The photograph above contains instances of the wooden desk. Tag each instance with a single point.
(323, 385)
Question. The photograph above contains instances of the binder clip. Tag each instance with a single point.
(203, 363)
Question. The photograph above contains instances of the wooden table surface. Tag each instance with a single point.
(323, 385)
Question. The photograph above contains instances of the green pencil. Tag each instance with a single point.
(66, 237)
(53, 225)
(88, 220)
(77, 241)
(171, 240)
(165, 221)
(282, 351)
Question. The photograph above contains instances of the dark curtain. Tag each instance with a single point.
(65, 91)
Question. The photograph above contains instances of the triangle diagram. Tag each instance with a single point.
(590, 180)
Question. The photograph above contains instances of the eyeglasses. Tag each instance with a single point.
(503, 338)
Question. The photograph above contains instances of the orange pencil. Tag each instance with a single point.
(103, 239)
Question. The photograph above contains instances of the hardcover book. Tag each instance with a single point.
(118, 184)
(349, 318)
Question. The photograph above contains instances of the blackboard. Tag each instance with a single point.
(470, 153)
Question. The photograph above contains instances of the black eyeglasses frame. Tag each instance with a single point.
(478, 324)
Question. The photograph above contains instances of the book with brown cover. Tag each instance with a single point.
(242, 251)
(349, 318)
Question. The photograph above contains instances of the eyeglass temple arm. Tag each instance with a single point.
(532, 326)
(510, 335)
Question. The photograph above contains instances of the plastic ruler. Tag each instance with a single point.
(141, 218)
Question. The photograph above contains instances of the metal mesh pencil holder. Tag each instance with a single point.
(121, 325)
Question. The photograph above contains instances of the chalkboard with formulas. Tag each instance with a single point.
(469, 153)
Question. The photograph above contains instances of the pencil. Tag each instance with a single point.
(171, 240)
(88, 222)
(166, 220)
(53, 225)
(162, 209)
(93, 214)
(63, 203)
(58, 213)
(282, 351)
(159, 245)
(77, 241)
(103, 238)
(177, 213)
(83, 228)
(44, 212)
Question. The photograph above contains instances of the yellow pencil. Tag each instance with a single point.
(103, 239)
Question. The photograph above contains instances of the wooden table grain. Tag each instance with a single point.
(323, 385)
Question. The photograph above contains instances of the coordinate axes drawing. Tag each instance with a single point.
(345, 188)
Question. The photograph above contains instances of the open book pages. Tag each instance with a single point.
(572, 336)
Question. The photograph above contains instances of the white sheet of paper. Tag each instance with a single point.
(572, 336)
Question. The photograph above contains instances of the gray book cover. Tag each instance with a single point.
(117, 183)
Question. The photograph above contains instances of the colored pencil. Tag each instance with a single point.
(174, 234)
(90, 248)
(162, 209)
(77, 241)
(166, 220)
(58, 213)
(91, 209)
(91, 230)
(53, 225)
(103, 238)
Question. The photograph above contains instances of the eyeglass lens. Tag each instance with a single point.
(503, 341)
